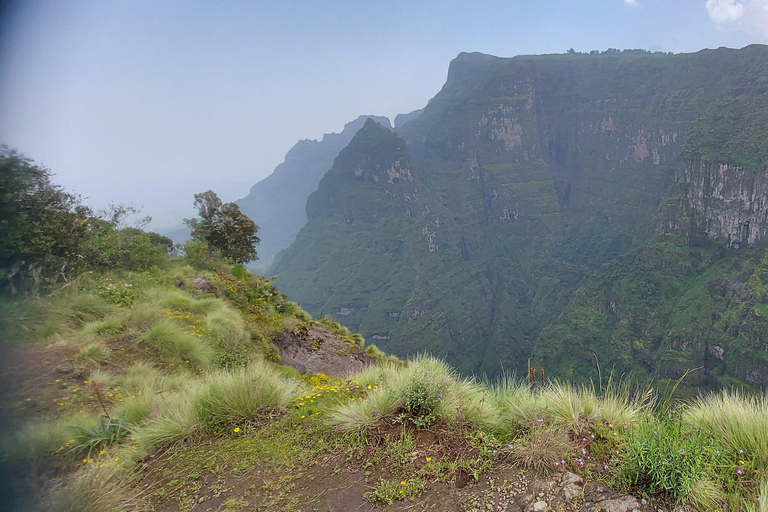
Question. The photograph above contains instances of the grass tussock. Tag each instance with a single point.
(99, 487)
(227, 324)
(220, 398)
(172, 337)
(425, 391)
(739, 422)
(541, 450)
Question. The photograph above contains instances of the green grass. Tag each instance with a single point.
(229, 399)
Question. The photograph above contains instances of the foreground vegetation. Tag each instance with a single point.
(156, 369)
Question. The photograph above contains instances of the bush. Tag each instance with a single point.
(200, 256)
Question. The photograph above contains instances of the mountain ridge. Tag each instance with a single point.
(529, 174)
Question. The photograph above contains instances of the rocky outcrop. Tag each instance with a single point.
(318, 350)
(721, 200)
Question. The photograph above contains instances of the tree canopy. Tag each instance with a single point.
(224, 228)
(48, 235)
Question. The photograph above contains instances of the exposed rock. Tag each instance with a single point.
(594, 491)
(539, 506)
(203, 285)
(622, 504)
(724, 201)
(318, 350)
(571, 485)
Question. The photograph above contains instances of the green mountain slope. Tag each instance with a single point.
(525, 176)
(276, 203)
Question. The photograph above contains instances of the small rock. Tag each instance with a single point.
(204, 285)
(571, 484)
(622, 504)
(202, 499)
(539, 506)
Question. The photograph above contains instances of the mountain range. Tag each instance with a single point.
(570, 212)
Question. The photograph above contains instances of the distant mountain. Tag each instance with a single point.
(179, 234)
(401, 119)
(277, 203)
(523, 215)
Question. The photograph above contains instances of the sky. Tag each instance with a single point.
(147, 102)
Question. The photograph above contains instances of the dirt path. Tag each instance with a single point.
(28, 392)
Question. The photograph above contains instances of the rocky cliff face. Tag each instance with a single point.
(277, 203)
(524, 176)
(721, 201)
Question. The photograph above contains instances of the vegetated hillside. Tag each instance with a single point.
(133, 379)
(276, 203)
(160, 390)
(525, 176)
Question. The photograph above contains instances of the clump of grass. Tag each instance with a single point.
(517, 404)
(137, 409)
(176, 420)
(107, 327)
(219, 398)
(228, 325)
(244, 393)
(177, 300)
(172, 337)
(389, 491)
(423, 392)
(542, 448)
(92, 355)
(363, 414)
(79, 308)
(138, 377)
(95, 488)
(141, 316)
(737, 421)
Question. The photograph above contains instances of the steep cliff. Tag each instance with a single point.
(683, 300)
(276, 203)
(524, 176)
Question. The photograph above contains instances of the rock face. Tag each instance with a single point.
(276, 203)
(318, 350)
(722, 200)
(470, 230)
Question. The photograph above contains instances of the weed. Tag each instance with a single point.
(663, 457)
(103, 434)
(389, 491)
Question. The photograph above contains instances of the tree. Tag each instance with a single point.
(42, 227)
(224, 227)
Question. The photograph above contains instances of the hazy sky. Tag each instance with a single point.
(147, 102)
